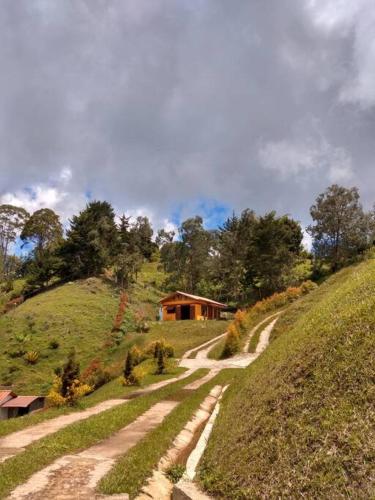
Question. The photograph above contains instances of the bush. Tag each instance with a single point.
(175, 472)
(240, 320)
(54, 344)
(152, 349)
(95, 375)
(76, 391)
(137, 355)
(232, 342)
(160, 363)
(31, 357)
(120, 312)
(308, 286)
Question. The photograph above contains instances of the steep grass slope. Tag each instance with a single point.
(78, 314)
(304, 411)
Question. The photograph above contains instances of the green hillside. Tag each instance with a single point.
(304, 411)
(80, 314)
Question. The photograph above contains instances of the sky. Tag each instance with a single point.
(171, 108)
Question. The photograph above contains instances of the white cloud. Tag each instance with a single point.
(57, 195)
(307, 240)
(355, 19)
(288, 158)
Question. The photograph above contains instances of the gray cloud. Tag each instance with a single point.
(157, 105)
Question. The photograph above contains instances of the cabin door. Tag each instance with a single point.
(192, 312)
(185, 312)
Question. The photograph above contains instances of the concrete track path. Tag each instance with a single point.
(16, 442)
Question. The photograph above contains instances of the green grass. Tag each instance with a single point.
(183, 335)
(256, 335)
(304, 410)
(78, 314)
(131, 471)
(111, 390)
(217, 350)
(80, 435)
(5, 297)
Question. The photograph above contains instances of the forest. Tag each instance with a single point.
(247, 258)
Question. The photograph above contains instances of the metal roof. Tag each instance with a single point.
(5, 394)
(20, 402)
(193, 297)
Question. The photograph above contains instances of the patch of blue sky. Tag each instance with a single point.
(213, 212)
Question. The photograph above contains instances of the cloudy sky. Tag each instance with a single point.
(175, 107)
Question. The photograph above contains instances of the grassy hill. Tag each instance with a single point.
(304, 411)
(80, 315)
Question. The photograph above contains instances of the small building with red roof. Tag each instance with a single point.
(12, 405)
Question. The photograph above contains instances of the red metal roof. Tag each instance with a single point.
(20, 402)
(193, 297)
(5, 394)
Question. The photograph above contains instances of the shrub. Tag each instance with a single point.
(69, 374)
(232, 342)
(95, 375)
(128, 365)
(76, 391)
(137, 355)
(175, 472)
(240, 320)
(152, 349)
(54, 344)
(31, 357)
(120, 312)
(160, 363)
(308, 286)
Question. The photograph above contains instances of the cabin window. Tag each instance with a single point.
(171, 310)
(204, 310)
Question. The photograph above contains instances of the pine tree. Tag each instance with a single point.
(69, 374)
(128, 366)
(161, 362)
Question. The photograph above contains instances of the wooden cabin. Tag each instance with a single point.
(181, 305)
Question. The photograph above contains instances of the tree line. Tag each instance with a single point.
(247, 258)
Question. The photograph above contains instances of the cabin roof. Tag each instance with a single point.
(193, 298)
(5, 394)
(20, 402)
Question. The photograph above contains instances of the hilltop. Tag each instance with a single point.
(304, 411)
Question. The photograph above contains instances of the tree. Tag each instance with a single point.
(160, 362)
(126, 267)
(69, 374)
(43, 229)
(341, 229)
(141, 237)
(164, 237)
(187, 260)
(229, 263)
(273, 249)
(128, 366)
(12, 221)
(92, 241)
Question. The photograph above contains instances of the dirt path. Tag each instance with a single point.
(209, 343)
(240, 360)
(76, 476)
(16, 442)
(252, 332)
